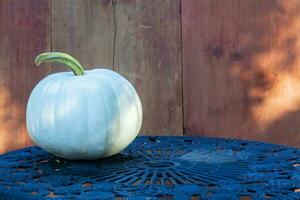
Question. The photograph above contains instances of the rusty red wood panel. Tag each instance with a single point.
(24, 32)
(241, 69)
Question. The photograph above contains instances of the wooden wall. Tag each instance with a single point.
(202, 67)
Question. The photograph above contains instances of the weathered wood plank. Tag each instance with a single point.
(24, 32)
(241, 69)
(84, 29)
(148, 53)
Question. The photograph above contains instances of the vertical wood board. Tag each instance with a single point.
(148, 53)
(84, 29)
(24, 32)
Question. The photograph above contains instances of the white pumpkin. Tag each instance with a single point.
(86, 115)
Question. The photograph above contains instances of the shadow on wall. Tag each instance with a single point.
(251, 68)
(12, 133)
(272, 74)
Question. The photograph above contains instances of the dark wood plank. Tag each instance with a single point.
(148, 53)
(24, 32)
(84, 29)
(241, 69)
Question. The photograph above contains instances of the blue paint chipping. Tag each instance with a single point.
(158, 168)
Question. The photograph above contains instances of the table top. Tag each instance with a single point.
(158, 168)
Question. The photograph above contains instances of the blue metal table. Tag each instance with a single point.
(158, 168)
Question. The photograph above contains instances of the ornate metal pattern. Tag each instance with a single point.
(158, 168)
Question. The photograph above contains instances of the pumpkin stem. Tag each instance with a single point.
(66, 59)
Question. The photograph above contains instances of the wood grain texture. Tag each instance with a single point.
(84, 29)
(241, 69)
(148, 53)
(24, 28)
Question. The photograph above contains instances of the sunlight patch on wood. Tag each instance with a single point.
(13, 133)
(280, 67)
(284, 97)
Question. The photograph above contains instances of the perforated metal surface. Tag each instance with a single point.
(158, 168)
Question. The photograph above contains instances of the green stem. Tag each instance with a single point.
(66, 59)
